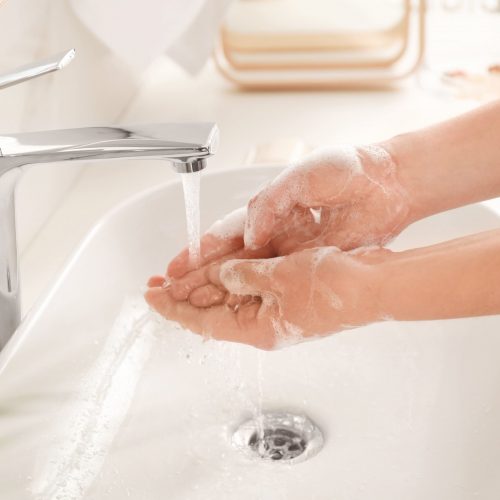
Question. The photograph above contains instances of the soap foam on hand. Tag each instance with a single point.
(356, 187)
(295, 186)
(230, 226)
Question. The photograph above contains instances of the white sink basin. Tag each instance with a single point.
(408, 410)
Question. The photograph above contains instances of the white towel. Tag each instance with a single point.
(139, 31)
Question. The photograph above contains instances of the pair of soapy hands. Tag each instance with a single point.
(296, 263)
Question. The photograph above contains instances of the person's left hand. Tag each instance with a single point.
(278, 301)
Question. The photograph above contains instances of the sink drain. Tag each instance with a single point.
(278, 436)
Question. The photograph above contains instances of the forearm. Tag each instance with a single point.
(451, 164)
(455, 279)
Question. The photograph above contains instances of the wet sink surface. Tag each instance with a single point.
(407, 410)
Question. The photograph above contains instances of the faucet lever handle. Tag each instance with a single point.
(39, 68)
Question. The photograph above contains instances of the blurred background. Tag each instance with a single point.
(279, 77)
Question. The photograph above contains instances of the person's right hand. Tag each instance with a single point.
(342, 196)
(355, 191)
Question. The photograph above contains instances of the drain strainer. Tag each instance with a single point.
(278, 436)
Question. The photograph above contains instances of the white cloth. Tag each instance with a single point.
(139, 31)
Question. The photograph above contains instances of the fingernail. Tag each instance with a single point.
(166, 284)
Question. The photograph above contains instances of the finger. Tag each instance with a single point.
(218, 322)
(155, 281)
(211, 248)
(245, 277)
(223, 237)
(198, 320)
(233, 301)
(236, 301)
(269, 206)
(331, 232)
(207, 296)
(319, 236)
(293, 246)
(343, 240)
(184, 286)
(299, 227)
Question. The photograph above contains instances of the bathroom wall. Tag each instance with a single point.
(93, 90)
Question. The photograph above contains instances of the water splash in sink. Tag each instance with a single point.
(94, 416)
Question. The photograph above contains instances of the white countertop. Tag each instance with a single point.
(245, 119)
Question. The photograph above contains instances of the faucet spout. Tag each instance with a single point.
(185, 146)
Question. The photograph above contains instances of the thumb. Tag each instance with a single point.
(247, 276)
(267, 208)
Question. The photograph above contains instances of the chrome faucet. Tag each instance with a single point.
(185, 146)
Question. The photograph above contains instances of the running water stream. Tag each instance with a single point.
(191, 187)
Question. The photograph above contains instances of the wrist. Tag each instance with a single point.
(403, 175)
(413, 179)
(365, 280)
(382, 167)
(376, 260)
(411, 285)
